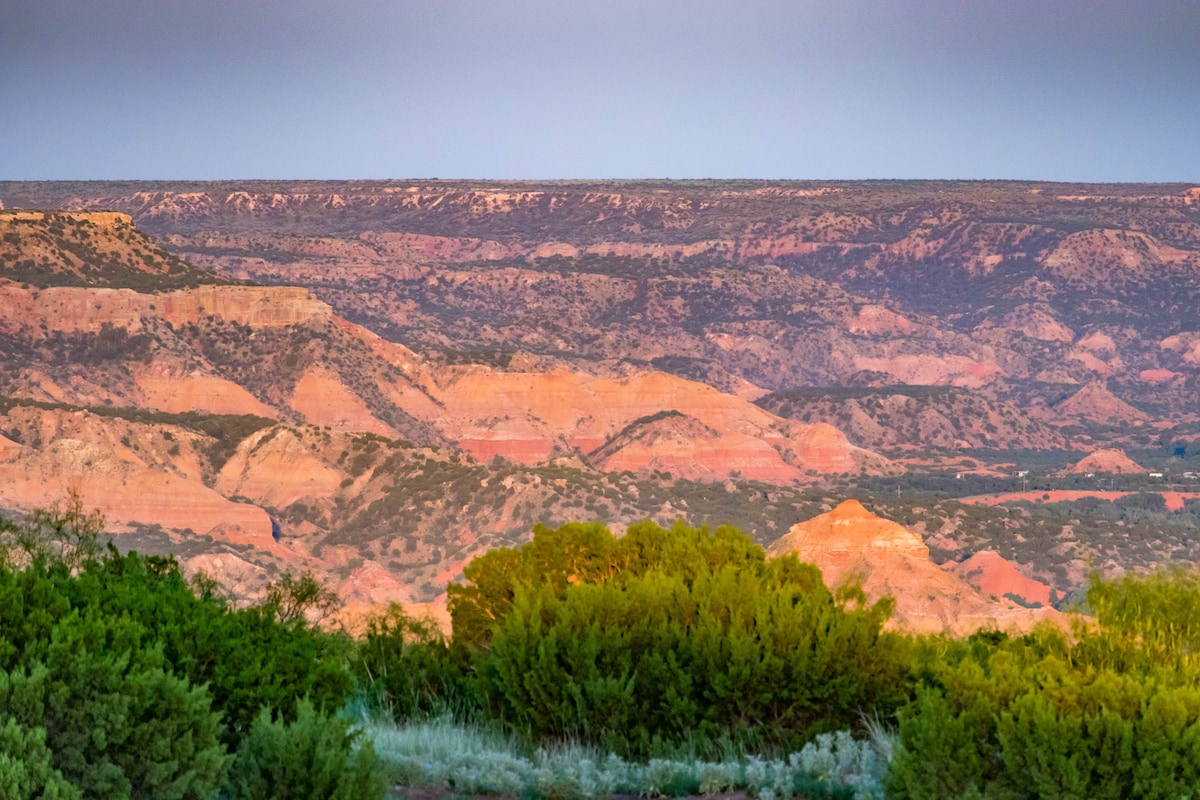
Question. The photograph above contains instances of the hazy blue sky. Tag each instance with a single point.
(1043, 89)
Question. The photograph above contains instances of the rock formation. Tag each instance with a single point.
(994, 575)
(1096, 403)
(120, 470)
(850, 543)
(524, 416)
(1106, 461)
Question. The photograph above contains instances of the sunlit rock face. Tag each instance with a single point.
(850, 543)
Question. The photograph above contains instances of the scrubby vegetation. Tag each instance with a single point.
(65, 249)
(666, 662)
(470, 759)
(120, 679)
(1113, 712)
(555, 638)
(633, 643)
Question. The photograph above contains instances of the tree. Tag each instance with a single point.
(25, 769)
(58, 534)
(299, 599)
(116, 723)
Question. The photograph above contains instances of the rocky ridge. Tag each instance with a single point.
(1013, 298)
(1015, 291)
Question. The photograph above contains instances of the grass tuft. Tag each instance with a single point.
(472, 759)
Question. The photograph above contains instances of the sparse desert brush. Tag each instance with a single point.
(473, 759)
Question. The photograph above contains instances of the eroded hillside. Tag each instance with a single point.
(1013, 290)
(441, 365)
(253, 422)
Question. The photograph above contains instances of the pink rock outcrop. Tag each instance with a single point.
(324, 400)
(276, 468)
(169, 389)
(993, 574)
(850, 543)
(527, 416)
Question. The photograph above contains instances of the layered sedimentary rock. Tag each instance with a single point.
(276, 468)
(69, 308)
(850, 543)
(120, 471)
(323, 399)
(526, 417)
(168, 388)
(687, 448)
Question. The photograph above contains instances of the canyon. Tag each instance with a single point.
(376, 380)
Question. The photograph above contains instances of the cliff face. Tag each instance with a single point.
(1011, 291)
(88, 310)
(209, 418)
(851, 544)
(127, 471)
(280, 352)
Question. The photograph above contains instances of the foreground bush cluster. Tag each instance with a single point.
(677, 661)
(119, 679)
(661, 637)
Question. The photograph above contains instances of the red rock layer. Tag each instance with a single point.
(992, 574)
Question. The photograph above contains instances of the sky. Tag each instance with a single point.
(1069, 90)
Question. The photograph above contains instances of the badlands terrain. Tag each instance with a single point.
(379, 380)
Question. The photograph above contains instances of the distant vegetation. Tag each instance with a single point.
(70, 250)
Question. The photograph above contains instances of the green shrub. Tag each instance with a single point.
(1146, 623)
(410, 667)
(664, 635)
(116, 723)
(248, 658)
(25, 769)
(1114, 713)
(316, 757)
